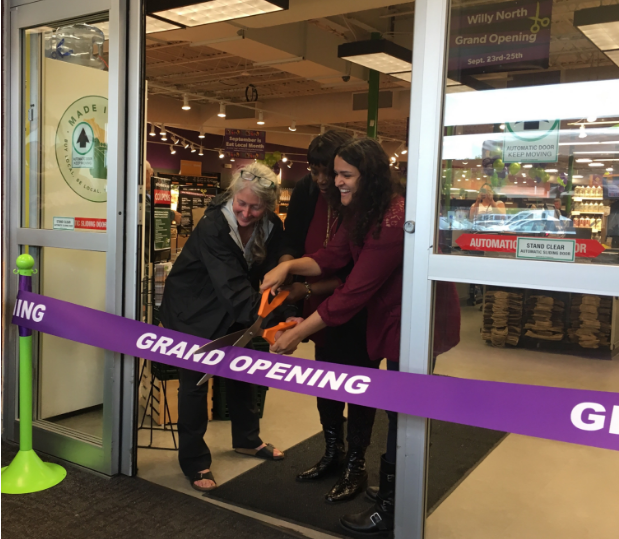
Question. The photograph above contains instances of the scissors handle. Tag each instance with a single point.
(269, 333)
(266, 308)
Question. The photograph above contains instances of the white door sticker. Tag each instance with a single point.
(545, 249)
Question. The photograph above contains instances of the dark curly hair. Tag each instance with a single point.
(322, 149)
(374, 191)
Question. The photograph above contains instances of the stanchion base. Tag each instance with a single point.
(28, 473)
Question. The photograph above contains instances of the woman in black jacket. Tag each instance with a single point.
(211, 291)
(310, 224)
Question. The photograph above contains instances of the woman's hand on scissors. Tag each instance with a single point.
(275, 278)
(287, 342)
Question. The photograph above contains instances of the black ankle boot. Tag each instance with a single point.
(379, 517)
(371, 493)
(352, 481)
(333, 457)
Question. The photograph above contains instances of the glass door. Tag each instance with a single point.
(514, 258)
(69, 211)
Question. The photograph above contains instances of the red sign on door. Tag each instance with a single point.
(507, 244)
(90, 223)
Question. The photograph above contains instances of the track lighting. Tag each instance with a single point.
(582, 133)
(172, 150)
(193, 149)
(185, 144)
(293, 125)
(284, 158)
(152, 130)
(260, 118)
(222, 110)
(201, 151)
(175, 140)
(221, 154)
(186, 105)
(232, 160)
(201, 135)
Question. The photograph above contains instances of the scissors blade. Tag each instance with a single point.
(238, 338)
(226, 340)
(251, 332)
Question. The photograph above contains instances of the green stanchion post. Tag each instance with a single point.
(27, 472)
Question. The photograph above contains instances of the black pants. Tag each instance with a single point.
(346, 345)
(193, 453)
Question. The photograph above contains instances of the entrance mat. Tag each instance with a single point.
(87, 505)
(271, 487)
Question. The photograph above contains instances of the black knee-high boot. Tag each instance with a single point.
(333, 457)
(379, 517)
(353, 480)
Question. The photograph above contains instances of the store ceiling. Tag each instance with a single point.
(302, 78)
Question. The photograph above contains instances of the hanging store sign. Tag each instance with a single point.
(508, 244)
(500, 37)
(531, 142)
(245, 143)
(81, 147)
(578, 416)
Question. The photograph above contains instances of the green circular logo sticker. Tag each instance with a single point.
(81, 147)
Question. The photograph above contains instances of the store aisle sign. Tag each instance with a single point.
(545, 249)
(531, 142)
(81, 147)
(508, 244)
(245, 143)
(500, 37)
(63, 223)
(89, 223)
(577, 416)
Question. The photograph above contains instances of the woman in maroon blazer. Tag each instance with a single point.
(372, 237)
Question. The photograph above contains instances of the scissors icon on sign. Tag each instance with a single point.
(538, 23)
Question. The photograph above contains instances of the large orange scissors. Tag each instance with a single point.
(242, 337)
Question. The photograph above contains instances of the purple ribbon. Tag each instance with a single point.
(25, 284)
(570, 415)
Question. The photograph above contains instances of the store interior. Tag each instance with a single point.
(281, 79)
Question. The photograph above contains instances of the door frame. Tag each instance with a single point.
(422, 266)
(115, 451)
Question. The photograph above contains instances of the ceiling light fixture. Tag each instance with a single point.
(221, 154)
(172, 150)
(551, 170)
(193, 149)
(284, 158)
(591, 119)
(260, 118)
(188, 13)
(596, 164)
(609, 169)
(186, 105)
(582, 133)
(185, 144)
(201, 135)
(232, 160)
(601, 26)
(201, 151)
(293, 125)
(379, 54)
(152, 130)
(583, 160)
(163, 133)
(404, 151)
(222, 110)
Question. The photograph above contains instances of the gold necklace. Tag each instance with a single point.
(329, 225)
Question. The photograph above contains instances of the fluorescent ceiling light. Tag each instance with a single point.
(584, 160)
(378, 54)
(596, 164)
(551, 170)
(157, 25)
(601, 25)
(191, 14)
(407, 76)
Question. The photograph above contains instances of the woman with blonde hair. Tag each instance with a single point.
(211, 291)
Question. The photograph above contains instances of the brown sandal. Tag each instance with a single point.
(198, 477)
(265, 452)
